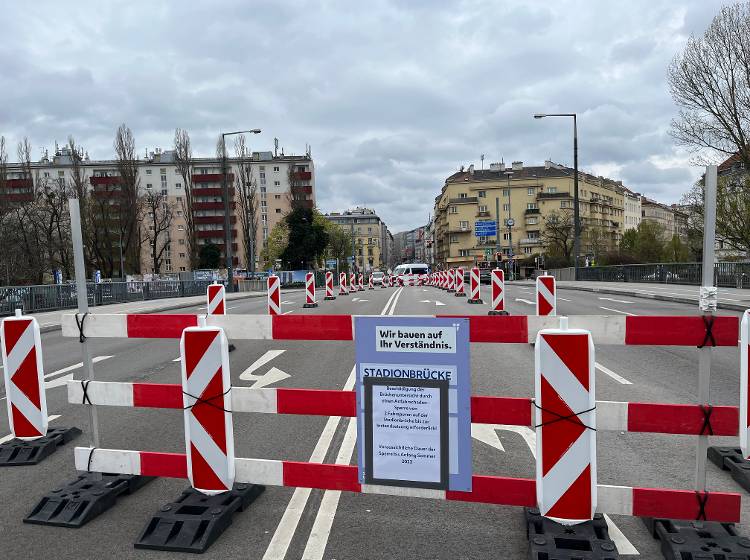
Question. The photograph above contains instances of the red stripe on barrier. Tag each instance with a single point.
(316, 402)
(501, 410)
(507, 329)
(498, 490)
(685, 504)
(682, 419)
(171, 465)
(680, 331)
(157, 395)
(159, 326)
(323, 476)
(312, 327)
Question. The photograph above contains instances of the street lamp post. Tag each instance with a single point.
(576, 211)
(225, 190)
(510, 223)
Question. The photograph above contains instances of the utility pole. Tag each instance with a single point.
(510, 223)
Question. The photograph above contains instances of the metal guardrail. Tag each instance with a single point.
(726, 274)
(63, 296)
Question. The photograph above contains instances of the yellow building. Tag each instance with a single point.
(525, 198)
(372, 241)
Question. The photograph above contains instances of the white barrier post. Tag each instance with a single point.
(565, 422)
(451, 279)
(216, 300)
(474, 279)
(310, 291)
(361, 286)
(498, 292)
(370, 284)
(744, 393)
(207, 399)
(546, 295)
(24, 377)
(343, 291)
(460, 291)
(274, 295)
(329, 286)
(352, 282)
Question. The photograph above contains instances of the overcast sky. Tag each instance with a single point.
(393, 96)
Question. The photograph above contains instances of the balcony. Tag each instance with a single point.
(213, 219)
(553, 195)
(531, 241)
(301, 189)
(459, 229)
(213, 234)
(463, 200)
(531, 211)
(483, 214)
(212, 191)
(97, 181)
(302, 176)
(19, 183)
(209, 206)
(211, 177)
(17, 197)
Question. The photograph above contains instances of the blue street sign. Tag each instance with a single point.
(331, 263)
(485, 228)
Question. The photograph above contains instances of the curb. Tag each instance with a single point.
(170, 307)
(659, 297)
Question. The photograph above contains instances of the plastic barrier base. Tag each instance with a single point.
(309, 305)
(82, 500)
(17, 453)
(329, 298)
(493, 312)
(731, 459)
(475, 301)
(195, 521)
(461, 295)
(698, 540)
(549, 540)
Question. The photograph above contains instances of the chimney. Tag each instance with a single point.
(547, 164)
(471, 169)
(517, 166)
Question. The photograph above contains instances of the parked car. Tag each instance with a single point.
(377, 277)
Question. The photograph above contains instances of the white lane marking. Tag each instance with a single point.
(487, 433)
(260, 362)
(425, 301)
(562, 298)
(287, 527)
(288, 312)
(526, 301)
(10, 436)
(615, 300)
(438, 303)
(624, 546)
(287, 302)
(177, 359)
(96, 360)
(612, 374)
(232, 307)
(617, 311)
(395, 301)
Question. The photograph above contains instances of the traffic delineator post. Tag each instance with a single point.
(546, 295)
(310, 291)
(497, 279)
(370, 284)
(274, 295)
(460, 291)
(352, 282)
(451, 273)
(565, 425)
(361, 279)
(329, 286)
(216, 299)
(343, 291)
(474, 283)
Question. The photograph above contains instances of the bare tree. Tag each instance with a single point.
(558, 234)
(129, 204)
(159, 213)
(247, 198)
(184, 160)
(24, 159)
(3, 176)
(710, 83)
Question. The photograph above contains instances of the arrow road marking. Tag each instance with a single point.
(260, 362)
(425, 301)
(615, 300)
(439, 303)
(525, 301)
(272, 376)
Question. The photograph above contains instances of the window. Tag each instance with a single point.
(506, 192)
(481, 194)
(276, 169)
(563, 204)
(505, 237)
(483, 208)
(552, 190)
(463, 224)
(262, 174)
(452, 210)
(484, 239)
(454, 238)
(163, 181)
(179, 213)
(533, 235)
(181, 242)
(178, 185)
(180, 228)
(163, 170)
(462, 195)
(506, 207)
(278, 210)
(149, 185)
(164, 192)
(182, 268)
(263, 189)
(277, 196)
(178, 198)
(530, 191)
(262, 168)
(463, 252)
(263, 204)
(148, 172)
(531, 206)
(527, 250)
(531, 221)
(276, 183)
(182, 255)
(46, 173)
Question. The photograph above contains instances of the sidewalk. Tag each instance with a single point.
(50, 320)
(729, 298)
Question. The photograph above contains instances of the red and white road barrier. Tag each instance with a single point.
(352, 282)
(474, 286)
(23, 370)
(565, 425)
(519, 329)
(451, 279)
(370, 283)
(329, 286)
(206, 383)
(497, 277)
(310, 290)
(216, 300)
(274, 295)
(361, 278)
(744, 382)
(499, 490)
(460, 290)
(546, 295)
(342, 284)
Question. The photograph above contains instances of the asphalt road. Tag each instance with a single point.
(289, 523)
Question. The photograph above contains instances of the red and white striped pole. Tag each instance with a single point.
(310, 291)
(24, 376)
(370, 284)
(451, 279)
(343, 291)
(352, 282)
(460, 291)
(361, 282)
(566, 424)
(274, 295)
(207, 399)
(329, 286)
(474, 286)
(216, 300)
(744, 381)
(546, 295)
(497, 277)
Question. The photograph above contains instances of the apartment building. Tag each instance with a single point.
(632, 210)
(671, 218)
(281, 181)
(520, 198)
(373, 243)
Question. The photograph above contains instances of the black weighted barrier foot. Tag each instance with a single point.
(696, 540)
(309, 305)
(85, 498)
(329, 298)
(731, 459)
(549, 540)
(18, 453)
(195, 521)
(474, 301)
(493, 312)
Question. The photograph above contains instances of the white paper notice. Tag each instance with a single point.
(406, 433)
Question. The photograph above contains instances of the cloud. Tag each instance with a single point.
(392, 96)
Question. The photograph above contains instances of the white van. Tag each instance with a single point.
(413, 274)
